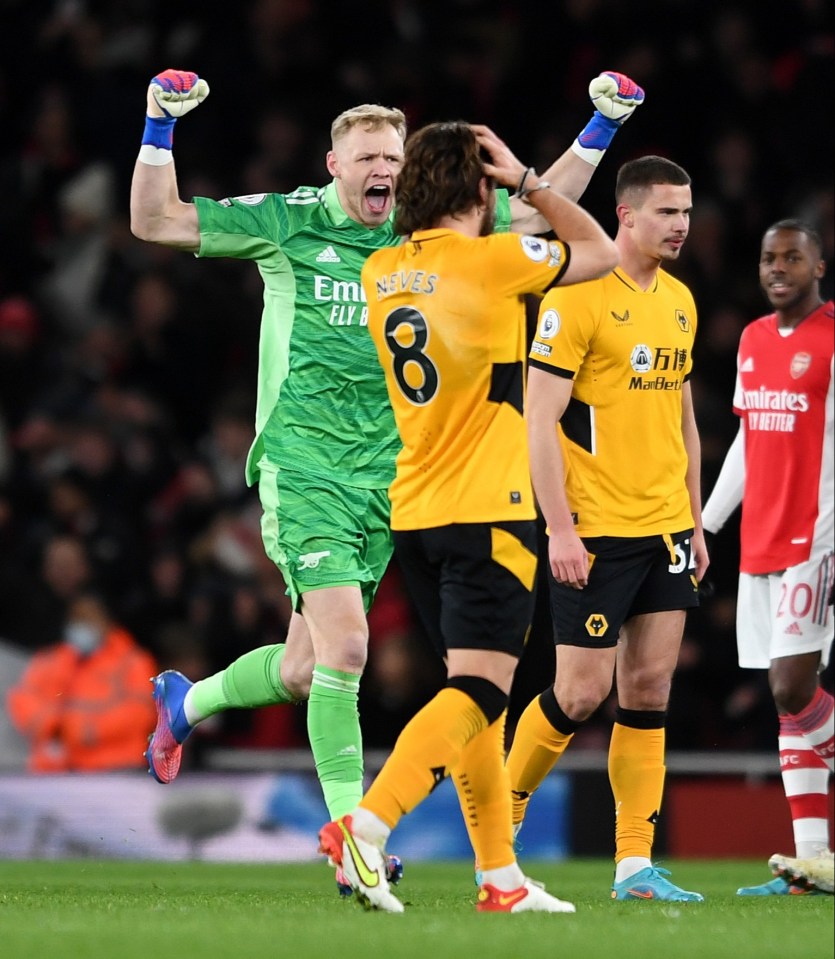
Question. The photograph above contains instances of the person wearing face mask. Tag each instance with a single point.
(82, 703)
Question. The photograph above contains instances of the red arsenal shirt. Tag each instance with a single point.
(784, 394)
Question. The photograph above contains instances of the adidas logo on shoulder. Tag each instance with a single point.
(328, 255)
(793, 629)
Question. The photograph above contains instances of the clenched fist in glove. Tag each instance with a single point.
(174, 93)
(615, 98)
(171, 94)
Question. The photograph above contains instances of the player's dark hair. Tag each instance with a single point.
(648, 171)
(441, 172)
(799, 226)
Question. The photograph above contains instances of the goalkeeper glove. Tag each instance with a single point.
(615, 98)
(177, 92)
(171, 94)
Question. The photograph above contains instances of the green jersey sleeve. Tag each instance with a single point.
(502, 212)
(252, 228)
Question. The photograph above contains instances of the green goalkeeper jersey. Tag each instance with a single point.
(334, 419)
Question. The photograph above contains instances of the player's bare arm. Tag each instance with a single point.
(615, 98)
(593, 253)
(546, 402)
(157, 212)
(692, 444)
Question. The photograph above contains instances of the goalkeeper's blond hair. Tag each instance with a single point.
(371, 116)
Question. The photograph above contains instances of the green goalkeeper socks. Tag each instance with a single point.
(333, 726)
(332, 716)
(253, 679)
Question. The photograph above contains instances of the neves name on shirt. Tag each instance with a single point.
(413, 281)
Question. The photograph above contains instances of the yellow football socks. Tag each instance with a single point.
(428, 748)
(536, 748)
(636, 773)
(483, 785)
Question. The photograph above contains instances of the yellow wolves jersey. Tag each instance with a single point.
(629, 352)
(446, 314)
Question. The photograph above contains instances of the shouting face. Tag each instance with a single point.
(365, 163)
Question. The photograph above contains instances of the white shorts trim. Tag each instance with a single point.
(785, 614)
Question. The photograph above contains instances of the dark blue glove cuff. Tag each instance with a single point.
(598, 133)
(159, 132)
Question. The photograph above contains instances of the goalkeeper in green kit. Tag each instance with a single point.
(325, 438)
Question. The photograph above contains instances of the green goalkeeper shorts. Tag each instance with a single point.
(322, 534)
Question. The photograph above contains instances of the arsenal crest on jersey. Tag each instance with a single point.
(799, 364)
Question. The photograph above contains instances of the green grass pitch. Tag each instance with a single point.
(125, 910)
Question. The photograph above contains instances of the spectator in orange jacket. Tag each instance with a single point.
(84, 704)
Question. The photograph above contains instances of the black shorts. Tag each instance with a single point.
(472, 584)
(628, 577)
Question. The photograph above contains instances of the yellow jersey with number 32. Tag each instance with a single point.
(446, 313)
(629, 352)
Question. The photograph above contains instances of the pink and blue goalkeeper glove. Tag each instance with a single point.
(173, 93)
(178, 91)
(615, 98)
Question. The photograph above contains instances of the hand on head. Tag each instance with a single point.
(503, 166)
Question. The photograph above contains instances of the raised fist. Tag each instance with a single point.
(173, 93)
(615, 96)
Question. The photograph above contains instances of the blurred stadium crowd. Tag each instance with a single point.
(127, 372)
